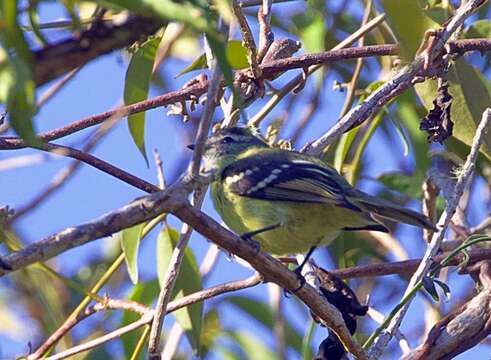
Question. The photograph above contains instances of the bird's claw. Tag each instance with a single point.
(248, 239)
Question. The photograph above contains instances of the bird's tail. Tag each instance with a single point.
(380, 208)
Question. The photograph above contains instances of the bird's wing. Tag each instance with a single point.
(286, 179)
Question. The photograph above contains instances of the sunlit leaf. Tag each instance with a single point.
(410, 34)
(188, 282)
(236, 55)
(137, 83)
(130, 243)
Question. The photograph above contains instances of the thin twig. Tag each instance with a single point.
(437, 237)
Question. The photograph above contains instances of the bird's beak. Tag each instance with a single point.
(191, 146)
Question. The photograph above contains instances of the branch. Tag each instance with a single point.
(112, 304)
(269, 69)
(443, 223)
(102, 38)
(399, 83)
(101, 165)
(406, 267)
(173, 200)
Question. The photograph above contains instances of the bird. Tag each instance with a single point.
(286, 201)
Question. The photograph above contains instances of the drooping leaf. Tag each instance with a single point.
(16, 78)
(137, 83)
(471, 94)
(236, 55)
(410, 34)
(188, 281)
(130, 243)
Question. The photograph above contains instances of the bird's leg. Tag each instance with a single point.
(298, 270)
(248, 235)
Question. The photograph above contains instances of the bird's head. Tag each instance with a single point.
(223, 147)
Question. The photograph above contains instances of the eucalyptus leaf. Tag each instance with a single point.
(130, 243)
(137, 83)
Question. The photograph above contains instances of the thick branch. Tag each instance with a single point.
(102, 38)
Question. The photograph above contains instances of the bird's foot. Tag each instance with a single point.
(247, 237)
(301, 279)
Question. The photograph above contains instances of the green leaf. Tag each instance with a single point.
(137, 83)
(236, 55)
(429, 285)
(17, 87)
(188, 282)
(130, 242)
(263, 313)
(144, 293)
(471, 94)
(410, 33)
(479, 29)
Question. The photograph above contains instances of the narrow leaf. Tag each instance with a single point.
(188, 282)
(130, 242)
(16, 78)
(137, 83)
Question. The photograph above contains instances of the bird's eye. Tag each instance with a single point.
(227, 140)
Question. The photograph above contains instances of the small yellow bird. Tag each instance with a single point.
(287, 201)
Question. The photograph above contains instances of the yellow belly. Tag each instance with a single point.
(302, 225)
